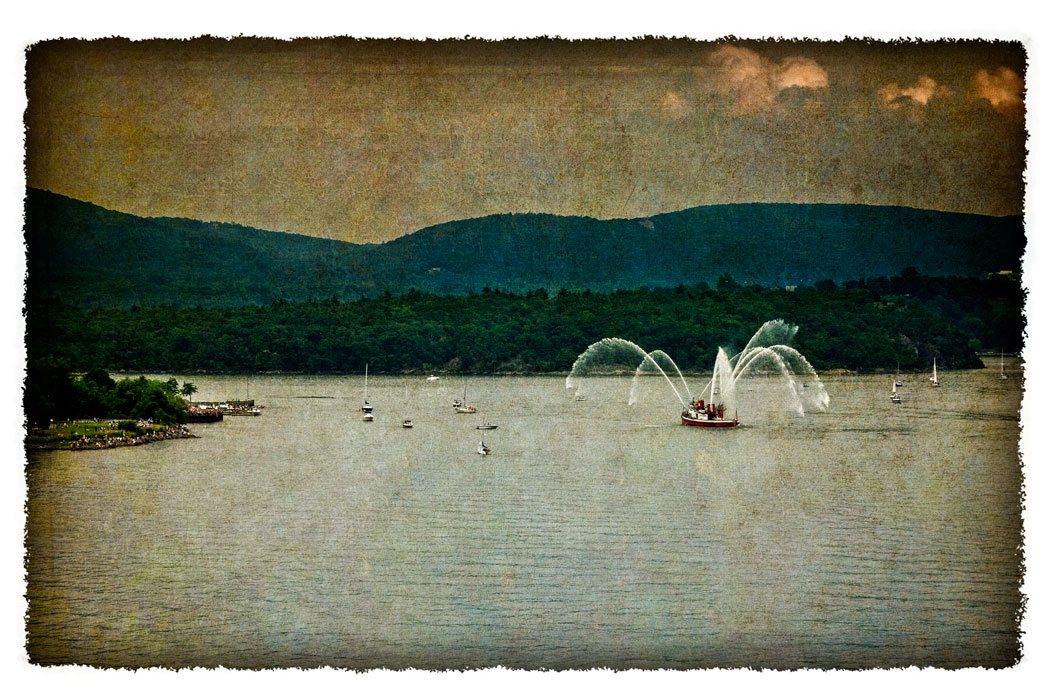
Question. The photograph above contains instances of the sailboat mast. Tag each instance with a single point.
(366, 382)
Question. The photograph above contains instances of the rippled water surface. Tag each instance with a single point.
(595, 534)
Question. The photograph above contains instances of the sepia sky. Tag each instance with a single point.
(369, 140)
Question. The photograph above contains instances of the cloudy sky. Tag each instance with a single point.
(367, 141)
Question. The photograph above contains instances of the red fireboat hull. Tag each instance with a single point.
(713, 423)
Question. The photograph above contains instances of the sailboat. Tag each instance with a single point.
(367, 407)
(933, 379)
(894, 396)
(484, 449)
(1002, 372)
(896, 381)
(239, 407)
(463, 407)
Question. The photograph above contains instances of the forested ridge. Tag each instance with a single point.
(862, 325)
(87, 256)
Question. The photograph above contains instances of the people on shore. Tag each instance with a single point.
(100, 441)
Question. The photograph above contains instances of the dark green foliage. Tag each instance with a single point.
(53, 393)
(867, 325)
(95, 258)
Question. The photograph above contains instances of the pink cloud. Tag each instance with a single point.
(800, 72)
(1003, 88)
(753, 82)
(924, 90)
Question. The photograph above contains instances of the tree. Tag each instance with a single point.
(188, 389)
(726, 283)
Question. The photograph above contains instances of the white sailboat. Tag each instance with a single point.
(896, 381)
(933, 379)
(894, 396)
(367, 407)
(484, 449)
(463, 407)
(1002, 371)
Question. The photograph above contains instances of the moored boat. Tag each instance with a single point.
(240, 408)
(933, 379)
(406, 423)
(462, 406)
(366, 407)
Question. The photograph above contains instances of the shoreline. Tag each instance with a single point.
(834, 372)
(105, 439)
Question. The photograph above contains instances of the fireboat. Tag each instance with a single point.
(707, 416)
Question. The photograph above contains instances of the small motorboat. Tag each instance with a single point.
(368, 417)
(579, 398)
(487, 426)
(433, 378)
(406, 423)
(484, 449)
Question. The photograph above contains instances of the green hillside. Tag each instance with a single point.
(92, 257)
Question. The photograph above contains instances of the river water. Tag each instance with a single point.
(594, 535)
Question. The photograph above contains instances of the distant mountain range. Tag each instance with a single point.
(89, 256)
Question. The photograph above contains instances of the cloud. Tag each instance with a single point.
(801, 73)
(753, 82)
(1003, 88)
(674, 106)
(924, 90)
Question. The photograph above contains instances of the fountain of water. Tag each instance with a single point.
(767, 354)
(610, 355)
(660, 362)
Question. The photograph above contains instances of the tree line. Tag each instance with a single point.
(53, 392)
(864, 325)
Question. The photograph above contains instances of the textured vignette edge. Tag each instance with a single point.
(1019, 614)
